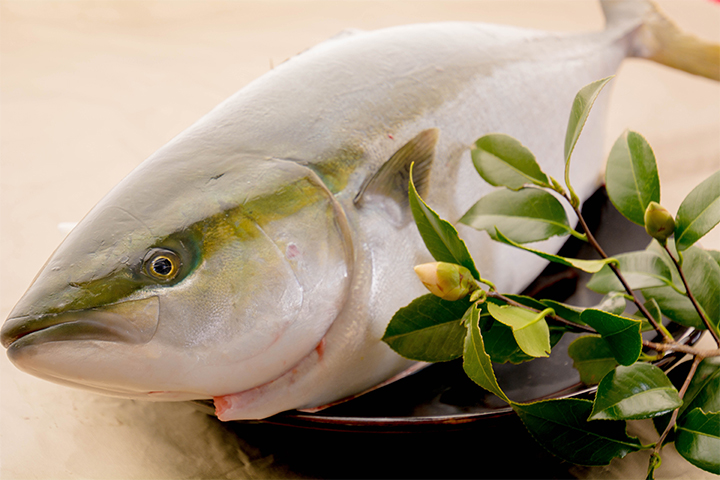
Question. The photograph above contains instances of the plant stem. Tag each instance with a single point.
(674, 416)
(512, 302)
(679, 347)
(614, 268)
(692, 297)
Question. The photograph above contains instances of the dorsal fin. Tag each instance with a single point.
(392, 179)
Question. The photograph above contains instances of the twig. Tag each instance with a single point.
(614, 268)
(674, 416)
(692, 297)
(679, 347)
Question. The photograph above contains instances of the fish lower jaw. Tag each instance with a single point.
(250, 405)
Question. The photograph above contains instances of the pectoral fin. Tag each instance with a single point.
(391, 180)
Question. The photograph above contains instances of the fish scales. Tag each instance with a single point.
(257, 258)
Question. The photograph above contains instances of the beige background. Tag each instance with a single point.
(88, 89)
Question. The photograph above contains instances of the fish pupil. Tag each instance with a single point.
(162, 266)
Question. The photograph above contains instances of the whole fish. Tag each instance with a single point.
(257, 258)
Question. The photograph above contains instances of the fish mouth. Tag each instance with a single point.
(134, 321)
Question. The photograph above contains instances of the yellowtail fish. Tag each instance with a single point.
(257, 258)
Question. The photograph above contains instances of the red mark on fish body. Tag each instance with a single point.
(391, 137)
(320, 349)
(222, 404)
(292, 251)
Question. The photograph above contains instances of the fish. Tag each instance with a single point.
(256, 258)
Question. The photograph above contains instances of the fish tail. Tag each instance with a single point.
(657, 38)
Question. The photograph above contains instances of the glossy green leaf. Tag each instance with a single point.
(440, 237)
(621, 333)
(503, 161)
(653, 309)
(698, 439)
(640, 270)
(500, 343)
(578, 116)
(528, 215)
(613, 302)
(631, 177)
(715, 255)
(590, 266)
(429, 329)
(499, 340)
(521, 299)
(698, 213)
(592, 358)
(704, 389)
(634, 392)
(581, 106)
(702, 273)
(567, 312)
(529, 328)
(476, 362)
(562, 428)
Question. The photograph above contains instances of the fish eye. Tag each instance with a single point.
(162, 264)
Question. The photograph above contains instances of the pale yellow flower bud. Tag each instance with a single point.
(659, 224)
(446, 280)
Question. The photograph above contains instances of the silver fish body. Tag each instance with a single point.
(283, 267)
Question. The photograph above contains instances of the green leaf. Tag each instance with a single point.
(499, 340)
(440, 237)
(428, 330)
(581, 106)
(633, 393)
(578, 116)
(529, 328)
(592, 357)
(640, 270)
(702, 273)
(613, 302)
(567, 312)
(653, 309)
(631, 176)
(529, 215)
(698, 213)
(715, 255)
(504, 162)
(521, 299)
(698, 439)
(590, 266)
(476, 362)
(500, 343)
(562, 428)
(704, 389)
(621, 333)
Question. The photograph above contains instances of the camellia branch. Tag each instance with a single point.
(682, 348)
(692, 298)
(614, 268)
(512, 302)
(674, 416)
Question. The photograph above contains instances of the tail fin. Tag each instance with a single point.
(657, 38)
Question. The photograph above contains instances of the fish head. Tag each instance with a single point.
(188, 282)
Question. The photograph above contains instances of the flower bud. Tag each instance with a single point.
(446, 280)
(659, 224)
